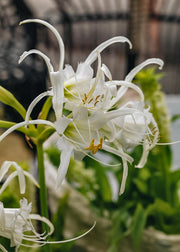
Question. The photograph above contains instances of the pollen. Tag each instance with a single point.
(97, 97)
(95, 148)
(84, 98)
(90, 100)
(95, 103)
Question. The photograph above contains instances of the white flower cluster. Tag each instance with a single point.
(95, 121)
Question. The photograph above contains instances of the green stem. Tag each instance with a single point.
(43, 189)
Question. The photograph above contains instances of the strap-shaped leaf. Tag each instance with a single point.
(8, 98)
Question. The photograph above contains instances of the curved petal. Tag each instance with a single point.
(106, 71)
(33, 104)
(2, 217)
(22, 124)
(37, 217)
(124, 178)
(57, 79)
(118, 152)
(127, 85)
(3, 248)
(93, 55)
(66, 151)
(138, 68)
(46, 59)
(144, 156)
(59, 39)
(4, 169)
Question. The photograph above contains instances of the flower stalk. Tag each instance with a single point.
(43, 188)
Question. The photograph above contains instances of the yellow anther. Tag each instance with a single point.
(95, 148)
(95, 103)
(97, 97)
(90, 100)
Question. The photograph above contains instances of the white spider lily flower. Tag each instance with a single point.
(19, 172)
(84, 134)
(15, 222)
(74, 84)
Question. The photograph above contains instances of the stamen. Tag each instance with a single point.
(95, 148)
(90, 100)
(95, 103)
(97, 97)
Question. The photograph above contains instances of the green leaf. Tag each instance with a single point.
(139, 222)
(175, 117)
(8, 98)
(45, 109)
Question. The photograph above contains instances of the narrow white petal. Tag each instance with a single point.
(34, 51)
(21, 124)
(68, 72)
(33, 104)
(138, 68)
(21, 178)
(3, 248)
(27, 174)
(62, 170)
(45, 220)
(73, 239)
(2, 217)
(118, 152)
(144, 156)
(61, 124)
(106, 71)
(4, 169)
(84, 71)
(125, 173)
(8, 180)
(57, 79)
(127, 85)
(66, 151)
(93, 55)
(59, 39)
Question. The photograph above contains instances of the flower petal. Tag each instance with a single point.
(34, 102)
(93, 55)
(59, 39)
(125, 173)
(21, 124)
(46, 59)
(138, 68)
(66, 151)
(106, 71)
(57, 79)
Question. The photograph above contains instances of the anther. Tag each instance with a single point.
(95, 148)
(97, 97)
(90, 100)
(95, 103)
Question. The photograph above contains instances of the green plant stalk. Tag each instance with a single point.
(43, 190)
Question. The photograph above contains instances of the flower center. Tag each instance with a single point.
(95, 148)
(87, 100)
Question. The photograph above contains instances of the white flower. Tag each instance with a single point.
(15, 222)
(16, 225)
(77, 85)
(19, 172)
